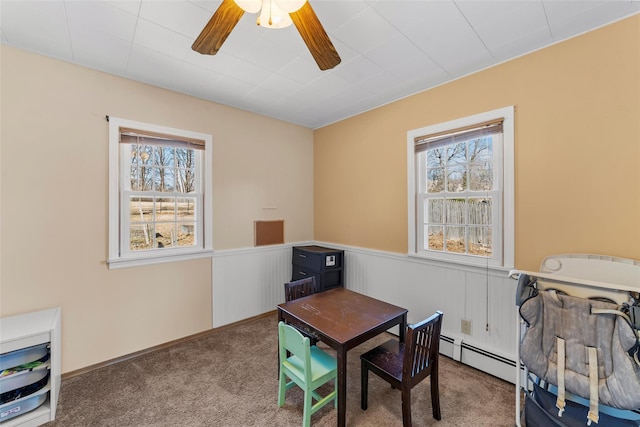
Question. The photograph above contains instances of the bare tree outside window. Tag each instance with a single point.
(460, 221)
(162, 219)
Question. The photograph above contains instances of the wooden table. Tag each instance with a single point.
(342, 319)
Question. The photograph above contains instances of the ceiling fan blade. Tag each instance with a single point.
(315, 37)
(218, 28)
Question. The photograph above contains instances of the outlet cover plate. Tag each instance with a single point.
(465, 326)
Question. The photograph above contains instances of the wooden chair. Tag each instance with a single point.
(404, 365)
(298, 289)
(308, 367)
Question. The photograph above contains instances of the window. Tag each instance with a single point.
(159, 194)
(461, 190)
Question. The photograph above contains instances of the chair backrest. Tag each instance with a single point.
(422, 346)
(299, 288)
(291, 340)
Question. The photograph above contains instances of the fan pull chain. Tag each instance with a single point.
(270, 18)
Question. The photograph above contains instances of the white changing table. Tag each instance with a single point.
(580, 275)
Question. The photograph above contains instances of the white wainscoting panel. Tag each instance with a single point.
(483, 296)
(248, 282)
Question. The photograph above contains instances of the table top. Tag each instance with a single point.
(342, 314)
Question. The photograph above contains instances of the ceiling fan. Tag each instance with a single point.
(274, 14)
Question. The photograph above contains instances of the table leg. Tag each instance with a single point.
(342, 387)
(403, 328)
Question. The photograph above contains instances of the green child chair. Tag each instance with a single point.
(308, 367)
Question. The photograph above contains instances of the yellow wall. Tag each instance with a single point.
(54, 169)
(577, 151)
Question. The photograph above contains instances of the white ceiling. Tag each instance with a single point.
(389, 48)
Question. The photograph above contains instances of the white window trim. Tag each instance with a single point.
(508, 189)
(116, 259)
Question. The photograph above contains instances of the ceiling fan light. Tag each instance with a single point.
(251, 6)
(290, 6)
(271, 16)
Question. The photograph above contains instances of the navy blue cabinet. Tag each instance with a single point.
(326, 264)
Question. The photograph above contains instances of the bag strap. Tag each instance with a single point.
(592, 415)
(611, 311)
(560, 401)
(633, 351)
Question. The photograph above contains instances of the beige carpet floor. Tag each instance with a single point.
(230, 378)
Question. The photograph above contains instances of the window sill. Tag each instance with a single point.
(471, 262)
(117, 263)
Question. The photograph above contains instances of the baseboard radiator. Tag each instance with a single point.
(478, 358)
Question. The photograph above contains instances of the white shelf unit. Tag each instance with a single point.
(26, 330)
